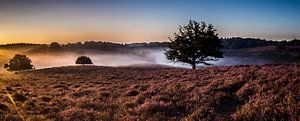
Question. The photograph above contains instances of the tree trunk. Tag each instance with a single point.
(194, 66)
(194, 70)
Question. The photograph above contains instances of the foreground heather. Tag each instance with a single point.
(267, 92)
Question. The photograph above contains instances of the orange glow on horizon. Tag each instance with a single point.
(65, 37)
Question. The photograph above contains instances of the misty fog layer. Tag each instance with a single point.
(141, 57)
(136, 58)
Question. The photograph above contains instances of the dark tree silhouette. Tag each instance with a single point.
(19, 62)
(195, 43)
(55, 46)
(83, 60)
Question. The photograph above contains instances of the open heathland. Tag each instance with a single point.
(84, 93)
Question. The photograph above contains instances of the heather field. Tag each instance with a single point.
(153, 93)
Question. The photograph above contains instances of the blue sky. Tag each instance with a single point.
(143, 20)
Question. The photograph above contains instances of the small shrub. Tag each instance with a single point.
(83, 60)
(19, 62)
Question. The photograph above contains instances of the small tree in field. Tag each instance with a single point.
(195, 43)
(83, 60)
(19, 62)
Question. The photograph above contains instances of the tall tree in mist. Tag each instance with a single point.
(19, 62)
(195, 43)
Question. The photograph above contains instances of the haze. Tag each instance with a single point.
(127, 21)
(141, 57)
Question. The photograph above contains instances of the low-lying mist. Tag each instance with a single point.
(136, 57)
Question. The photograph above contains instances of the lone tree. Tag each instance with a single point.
(195, 43)
(83, 60)
(19, 62)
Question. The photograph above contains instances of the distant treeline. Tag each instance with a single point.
(19, 45)
(107, 46)
(149, 45)
(228, 43)
(112, 46)
(239, 43)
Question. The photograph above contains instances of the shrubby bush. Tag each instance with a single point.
(19, 62)
(83, 60)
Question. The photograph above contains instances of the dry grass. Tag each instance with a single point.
(267, 92)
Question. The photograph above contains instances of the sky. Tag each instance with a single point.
(128, 21)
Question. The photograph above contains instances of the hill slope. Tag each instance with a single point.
(247, 92)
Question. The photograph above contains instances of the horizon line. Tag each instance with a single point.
(95, 40)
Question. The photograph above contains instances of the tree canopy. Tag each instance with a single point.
(195, 43)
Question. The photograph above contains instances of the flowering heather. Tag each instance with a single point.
(239, 93)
